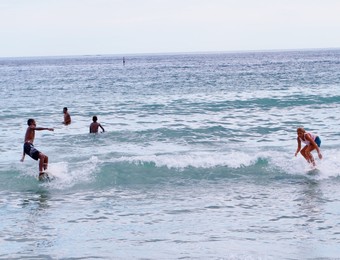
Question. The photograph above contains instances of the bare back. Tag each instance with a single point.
(67, 118)
(30, 135)
(94, 127)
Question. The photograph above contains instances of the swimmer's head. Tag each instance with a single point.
(300, 131)
(30, 122)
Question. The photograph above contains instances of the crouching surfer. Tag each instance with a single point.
(311, 141)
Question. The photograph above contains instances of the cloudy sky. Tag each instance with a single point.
(90, 27)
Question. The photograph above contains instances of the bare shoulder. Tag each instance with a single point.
(308, 136)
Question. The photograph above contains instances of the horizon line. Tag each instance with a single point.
(172, 53)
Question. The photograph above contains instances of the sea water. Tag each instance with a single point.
(196, 161)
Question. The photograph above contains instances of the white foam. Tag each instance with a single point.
(67, 177)
(329, 166)
(195, 159)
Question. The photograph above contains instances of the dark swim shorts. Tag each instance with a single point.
(318, 141)
(31, 151)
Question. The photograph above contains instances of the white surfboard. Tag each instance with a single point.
(46, 177)
(313, 171)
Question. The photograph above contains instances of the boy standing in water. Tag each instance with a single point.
(312, 142)
(67, 117)
(94, 125)
(29, 147)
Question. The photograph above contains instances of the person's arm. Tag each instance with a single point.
(299, 146)
(102, 128)
(43, 128)
(313, 143)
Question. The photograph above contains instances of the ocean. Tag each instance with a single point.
(196, 161)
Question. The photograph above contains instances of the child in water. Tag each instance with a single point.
(67, 117)
(94, 125)
(312, 142)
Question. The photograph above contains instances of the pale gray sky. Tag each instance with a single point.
(90, 27)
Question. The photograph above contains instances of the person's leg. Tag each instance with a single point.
(306, 152)
(42, 162)
(45, 162)
(310, 149)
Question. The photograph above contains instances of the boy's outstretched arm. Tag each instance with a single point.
(43, 128)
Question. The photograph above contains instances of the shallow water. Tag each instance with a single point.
(197, 160)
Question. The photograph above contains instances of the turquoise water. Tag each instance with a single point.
(197, 161)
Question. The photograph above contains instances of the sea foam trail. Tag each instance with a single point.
(190, 165)
(328, 167)
(195, 160)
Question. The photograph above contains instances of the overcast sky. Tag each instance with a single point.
(90, 27)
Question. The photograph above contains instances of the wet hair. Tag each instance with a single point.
(65, 108)
(30, 121)
(94, 118)
(300, 129)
